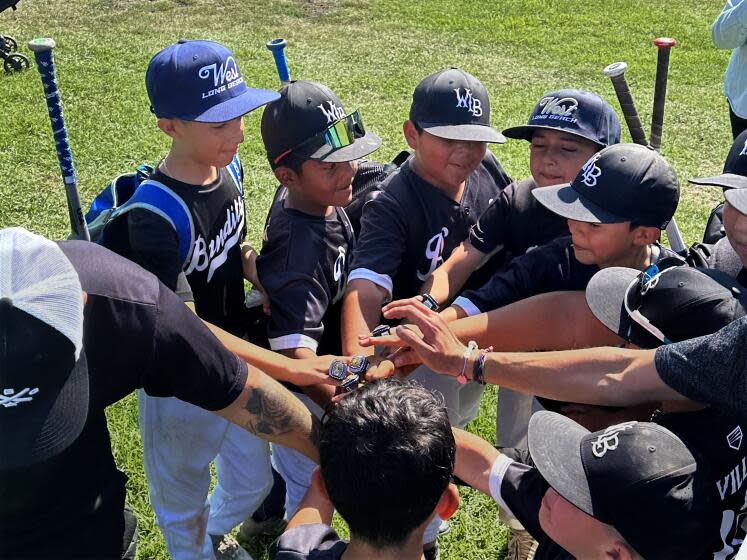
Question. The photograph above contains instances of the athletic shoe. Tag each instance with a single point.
(225, 547)
(431, 553)
(444, 528)
(272, 527)
(521, 545)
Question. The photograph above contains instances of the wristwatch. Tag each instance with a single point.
(381, 330)
(429, 302)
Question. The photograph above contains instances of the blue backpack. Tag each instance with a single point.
(136, 190)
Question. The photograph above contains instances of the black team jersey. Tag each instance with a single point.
(515, 222)
(411, 227)
(213, 270)
(136, 333)
(303, 269)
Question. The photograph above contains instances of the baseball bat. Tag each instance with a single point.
(616, 73)
(42, 49)
(664, 45)
(277, 48)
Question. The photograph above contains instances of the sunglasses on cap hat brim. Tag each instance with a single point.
(337, 135)
(638, 289)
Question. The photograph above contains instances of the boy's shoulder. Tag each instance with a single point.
(308, 542)
(296, 241)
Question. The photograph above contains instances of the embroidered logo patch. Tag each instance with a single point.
(11, 398)
(333, 112)
(590, 172)
(225, 76)
(609, 440)
(734, 438)
(467, 101)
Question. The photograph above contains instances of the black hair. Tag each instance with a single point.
(386, 455)
(418, 128)
(291, 161)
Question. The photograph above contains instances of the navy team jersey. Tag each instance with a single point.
(549, 268)
(315, 541)
(303, 269)
(515, 222)
(213, 272)
(411, 227)
(136, 333)
(717, 438)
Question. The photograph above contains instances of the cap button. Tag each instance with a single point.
(182, 41)
(651, 448)
(623, 158)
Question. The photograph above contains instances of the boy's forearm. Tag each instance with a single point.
(271, 412)
(314, 508)
(474, 460)
(361, 312)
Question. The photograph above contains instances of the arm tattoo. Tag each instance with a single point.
(270, 414)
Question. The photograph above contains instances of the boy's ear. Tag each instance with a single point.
(286, 176)
(411, 134)
(168, 126)
(645, 235)
(449, 502)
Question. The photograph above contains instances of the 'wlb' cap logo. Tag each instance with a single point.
(224, 77)
(610, 439)
(590, 172)
(467, 101)
(334, 113)
(9, 397)
(744, 149)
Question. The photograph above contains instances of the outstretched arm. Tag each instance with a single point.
(474, 460)
(268, 410)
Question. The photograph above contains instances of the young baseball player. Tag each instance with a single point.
(312, 144)
(386, 493)
(729, 252)
(81, 328)
(564, 130)
(199, 96)
(631, 491)
(616, 207)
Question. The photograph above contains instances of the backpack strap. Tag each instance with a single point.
(161, 200)
(237, 173)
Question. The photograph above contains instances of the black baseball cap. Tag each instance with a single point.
(573, 111)
(453, 104)
(302, 122)
(680, 301)
(638, 477)
(621, 183)
(44, 386)
(735, 167)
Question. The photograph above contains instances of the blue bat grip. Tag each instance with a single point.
(45, 64)
(277, 46)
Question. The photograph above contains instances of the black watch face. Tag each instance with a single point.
(337, 370)
(429, 302)
(381, 330)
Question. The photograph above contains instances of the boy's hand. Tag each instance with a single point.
(427, 336)
(313, 371)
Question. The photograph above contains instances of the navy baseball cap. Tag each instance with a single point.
(638, 477)
(680, 301)
(200, 81)
(453, 104)
(573, 111)
(621, 183)
(310, 121)
(735, 167)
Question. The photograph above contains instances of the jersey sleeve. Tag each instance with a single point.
(379, 251)
(518, 490)
(318, 541)
(541, 270)
(188, 361)
(487, 234)
(298, 303)
(722, 355)
(729, 30)
(155, 247)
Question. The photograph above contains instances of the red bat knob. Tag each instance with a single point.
(665, 42)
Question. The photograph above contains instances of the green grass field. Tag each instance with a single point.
(372, 53)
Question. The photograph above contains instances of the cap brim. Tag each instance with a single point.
(237, 106)
(555, 447)
(358, 149)
(725, 181)
(566, 202)
(469, 132)
(737, 198)
(54, 425)
(605, 295)
(524, 132)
